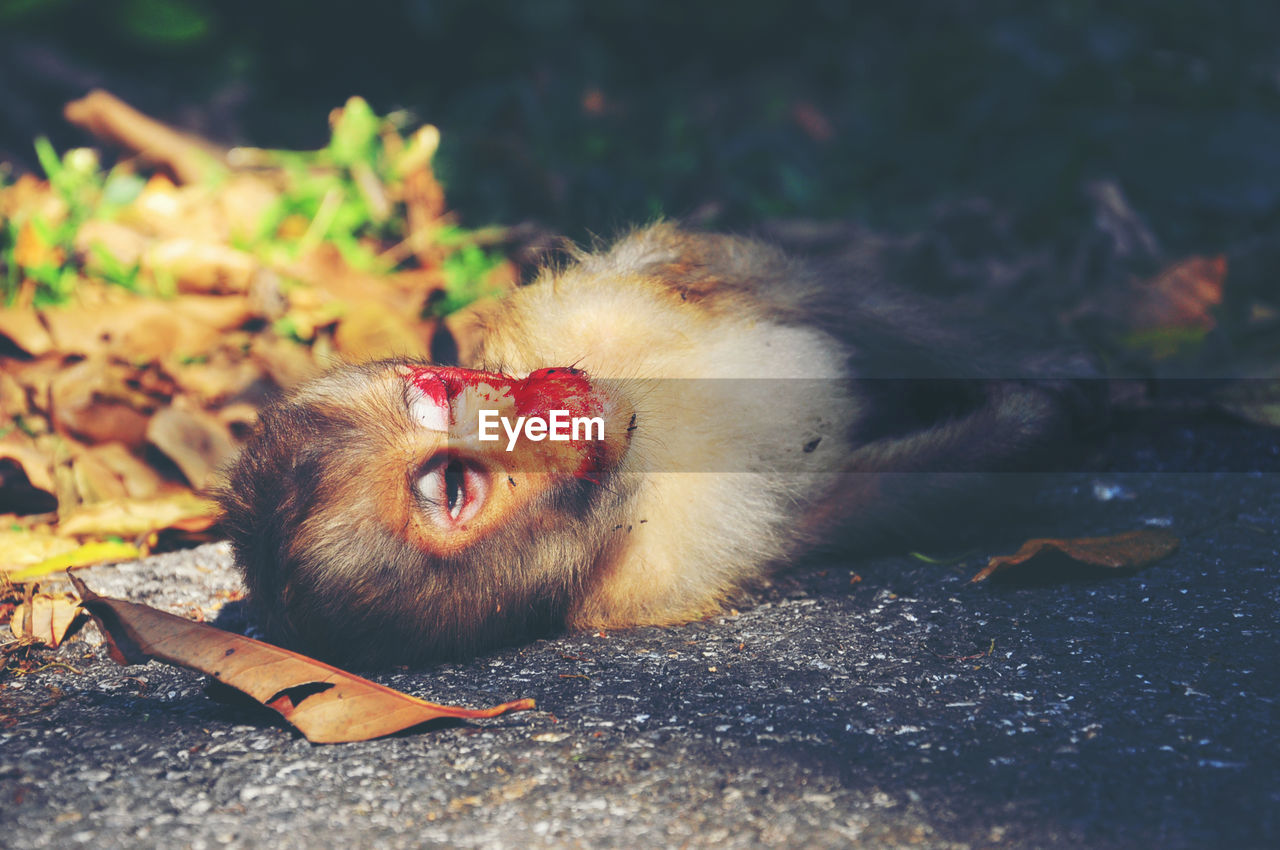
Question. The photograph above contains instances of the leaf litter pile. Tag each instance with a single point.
(149, 309)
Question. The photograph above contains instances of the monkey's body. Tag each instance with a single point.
(745, 404)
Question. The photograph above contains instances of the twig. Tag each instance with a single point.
(104, 115)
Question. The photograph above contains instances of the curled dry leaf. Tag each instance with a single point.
(44, 618)
(1131, 550)
(325, 704)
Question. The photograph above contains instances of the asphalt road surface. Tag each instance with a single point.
(877, 703)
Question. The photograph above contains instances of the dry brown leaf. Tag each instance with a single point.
(95, 481)
(44, 618)
(122, 243)
(92, 400)
(288, 363)
(373, 332)
(1181, 296)
(325, 270)
(221, 312)
(86, 329)
(153, 330)
(133, 518)
(165, 211)
(24, 453)
(140, 481)
(13, 398)
(22, 326)
(35, 376)
(216, 380)
(31, 196)
(199, 266)
(141, 330)
(1131, 550)
(243, 202)
(325, 704)
(196, 442)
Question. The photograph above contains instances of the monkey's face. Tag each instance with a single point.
(401, 512)
(483, 446)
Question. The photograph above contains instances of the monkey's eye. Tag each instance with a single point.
(451, 490)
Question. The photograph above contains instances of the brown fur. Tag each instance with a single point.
(764, 425)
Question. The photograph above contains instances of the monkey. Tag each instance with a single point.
(738, 408)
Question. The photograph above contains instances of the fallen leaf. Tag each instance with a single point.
(325, 704)
(95, 481)
(1253, 400)
(45, 618)
(20, 549)
(1182, 295)
(155, 329)
(26, 480)
(217, 380)
(92, 400)
(372, 332)
(199, 266)
(140, 481)
(288, 363)
(1131, 550)
(119, 243)
(102, 552)
(25, 330)
(135, 517)
(198, 443)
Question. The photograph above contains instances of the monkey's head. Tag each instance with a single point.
(397, 512)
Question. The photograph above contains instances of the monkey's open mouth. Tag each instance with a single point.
(451, 490)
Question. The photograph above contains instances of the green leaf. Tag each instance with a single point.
(356, 134)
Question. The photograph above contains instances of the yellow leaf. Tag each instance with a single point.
(81, 556)
(24, 548)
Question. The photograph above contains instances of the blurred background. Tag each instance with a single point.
(586, 116)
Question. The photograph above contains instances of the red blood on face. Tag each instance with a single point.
(560, 388)
(441, 384)
(543, 391)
